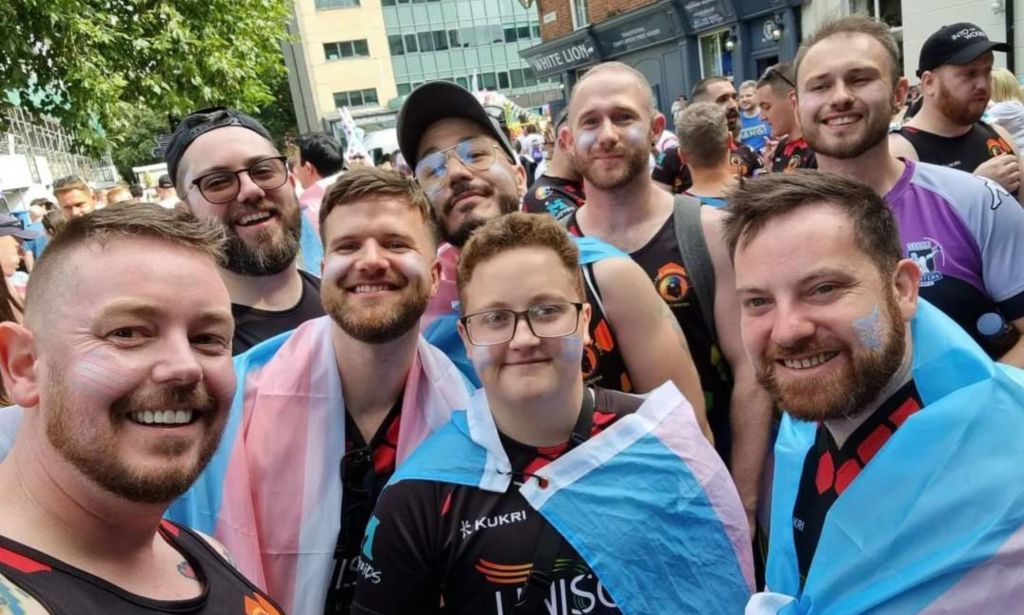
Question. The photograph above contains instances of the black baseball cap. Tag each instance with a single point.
(957, 44)
(438, 100)
(201, 122)
(165, 181)
(11, 225)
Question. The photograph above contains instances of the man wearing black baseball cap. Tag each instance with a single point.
(956, 77)
(466, 164)
(226, 168)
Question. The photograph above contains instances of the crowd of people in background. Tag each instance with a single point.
(763, 355)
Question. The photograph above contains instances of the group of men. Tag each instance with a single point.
(477, 410)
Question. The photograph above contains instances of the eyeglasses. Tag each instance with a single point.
(773, 72)
(476, 153)
(495, 327)
(219, 187)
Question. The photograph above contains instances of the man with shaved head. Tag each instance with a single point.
(612, 123)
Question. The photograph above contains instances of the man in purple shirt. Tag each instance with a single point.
(963, 230)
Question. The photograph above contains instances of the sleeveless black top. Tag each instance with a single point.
(66, 590)
(965, 152)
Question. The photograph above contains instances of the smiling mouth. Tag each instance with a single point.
(842, 120)
(164, 418)
(809, 362)
(254, 218)
(371, 288)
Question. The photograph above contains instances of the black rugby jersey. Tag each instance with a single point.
(556, 196)
(965, 152)
(829, 470)
(662, 261)
(795, 154)
(473, 550)
(65, 590)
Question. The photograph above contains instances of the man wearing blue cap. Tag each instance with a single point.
(225, 167)
(956, 78)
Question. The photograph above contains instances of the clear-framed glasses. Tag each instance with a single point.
(476, 153)
(547, 320)
(221, 187)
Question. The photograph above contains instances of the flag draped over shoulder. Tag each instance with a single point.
(935, 522)
(440, 323)
(272, 493)
(679, 541)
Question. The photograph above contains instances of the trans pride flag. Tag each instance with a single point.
(676, 541)
(935, 522)
(272, 493)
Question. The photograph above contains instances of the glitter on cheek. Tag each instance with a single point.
(869, 329)
(570, 348)
(484, 357)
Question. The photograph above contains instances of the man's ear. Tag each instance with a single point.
(906, 281)
(17, 364)
(658, 123)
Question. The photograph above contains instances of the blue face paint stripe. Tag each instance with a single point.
(869, 329)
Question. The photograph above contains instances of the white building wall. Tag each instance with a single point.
(923, 17)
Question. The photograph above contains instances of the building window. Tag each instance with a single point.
(404, 89)
(426, 41)
(347, 49)
(888, 11)
(395, 44)
(356, 98)
(580, 17)
(335, 4)
(410, 44)
(714, 58)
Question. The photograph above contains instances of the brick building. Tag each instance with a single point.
(674, 43)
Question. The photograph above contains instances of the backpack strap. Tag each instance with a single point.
(696, 258)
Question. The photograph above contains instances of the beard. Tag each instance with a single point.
(839, 394)
(377, 323)
(272, 250)
(95, 454)
(507, 203)
(955, 111)
(876, 129)
(637, 160)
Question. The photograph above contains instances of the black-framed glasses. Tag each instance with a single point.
(493, 327)
(773, 72)
(477, 153)
(219, 187)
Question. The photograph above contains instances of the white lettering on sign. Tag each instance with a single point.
(563, 57)
(549, 17)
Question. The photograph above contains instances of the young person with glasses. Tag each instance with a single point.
(775, 96)
(226, 169)
(546, 490)
(325, 413)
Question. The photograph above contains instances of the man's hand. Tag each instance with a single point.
(1004, 170)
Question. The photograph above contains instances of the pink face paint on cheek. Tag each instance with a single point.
(102, 375)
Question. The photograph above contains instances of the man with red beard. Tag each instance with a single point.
(964, 231)
(226, 169)
(612, 122)
(468, 169)
(869, 513)
(955, 69)
(123, 376)
(324, 414)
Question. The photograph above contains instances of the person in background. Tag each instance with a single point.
(36, 211)
(754, 130)
(318, 164)
(120, 194)
(386, 163)
(53, 222)
(955, 67)
(1007, 108)
(74, 196)
(775, 97)
(137, 190)
(704, 144)
(559, 190)
(165, 194)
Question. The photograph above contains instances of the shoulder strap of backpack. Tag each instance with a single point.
(696, 258)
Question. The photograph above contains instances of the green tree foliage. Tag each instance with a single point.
(98, 66)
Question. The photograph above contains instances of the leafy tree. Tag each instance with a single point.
(93, 64)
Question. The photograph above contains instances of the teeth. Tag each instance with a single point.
(257, 217)
(162, 417)
(371, 288)
(810, 362)
(842, 121)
